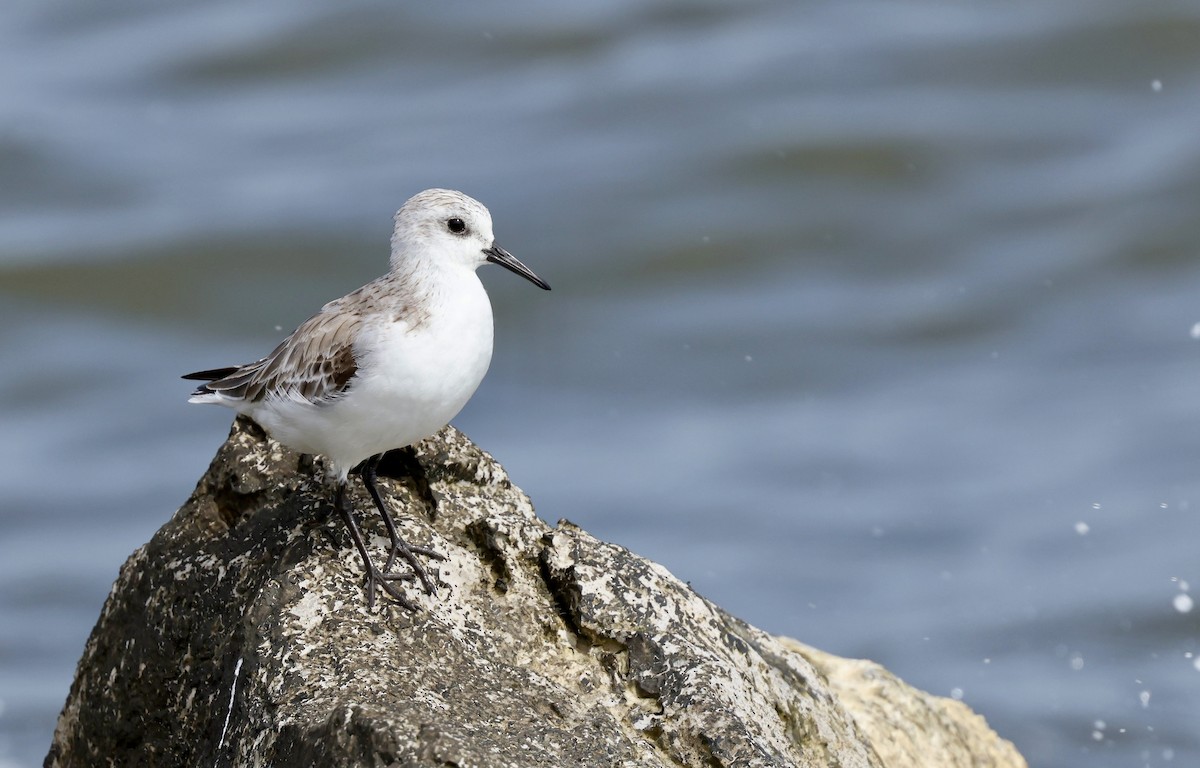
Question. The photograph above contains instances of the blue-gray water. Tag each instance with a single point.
(872, 319)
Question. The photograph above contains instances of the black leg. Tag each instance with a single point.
(399, 546)
(374, 575)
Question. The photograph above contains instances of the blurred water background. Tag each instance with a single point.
(876, 320)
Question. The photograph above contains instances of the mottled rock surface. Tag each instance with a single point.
(239, 636)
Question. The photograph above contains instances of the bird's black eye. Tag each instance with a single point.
(456, 225)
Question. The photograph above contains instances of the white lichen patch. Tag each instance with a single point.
(180, 570)
(183, 569)
(309, 611)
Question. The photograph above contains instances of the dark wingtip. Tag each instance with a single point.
(210, 375)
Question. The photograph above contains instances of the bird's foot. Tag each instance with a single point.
(388, 583)
(402, 549)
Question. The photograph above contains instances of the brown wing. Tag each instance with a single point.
(316, 363)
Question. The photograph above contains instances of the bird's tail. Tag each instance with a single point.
(212, 375)
(203, 394)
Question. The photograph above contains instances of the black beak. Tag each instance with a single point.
(498, 255)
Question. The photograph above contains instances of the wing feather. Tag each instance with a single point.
(316, 363)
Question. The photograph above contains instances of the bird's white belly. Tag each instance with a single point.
(410, 383)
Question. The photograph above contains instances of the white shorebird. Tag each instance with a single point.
(384, 366)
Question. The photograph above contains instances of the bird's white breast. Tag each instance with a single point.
(416, 371)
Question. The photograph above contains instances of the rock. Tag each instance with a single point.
(239, 636)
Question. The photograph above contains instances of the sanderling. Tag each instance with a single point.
(384, 366)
